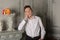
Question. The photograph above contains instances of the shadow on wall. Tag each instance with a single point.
(48, 24)
(49, 30)
(43, 17)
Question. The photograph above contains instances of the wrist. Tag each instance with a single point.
(41, 39)
(25, 19)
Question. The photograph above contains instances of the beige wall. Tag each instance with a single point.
(53, 17)
(56, 17)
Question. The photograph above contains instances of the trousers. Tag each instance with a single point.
(30, 38)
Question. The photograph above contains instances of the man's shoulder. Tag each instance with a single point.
(37, 17)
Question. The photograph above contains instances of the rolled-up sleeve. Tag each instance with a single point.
(43, 32)
(21, 25)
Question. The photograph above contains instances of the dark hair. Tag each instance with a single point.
(27, 6)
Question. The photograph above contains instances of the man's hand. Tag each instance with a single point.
(40, 39)
(26, 17)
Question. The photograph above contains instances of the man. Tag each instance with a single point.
(33, 25)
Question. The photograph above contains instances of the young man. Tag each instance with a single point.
(33, 25)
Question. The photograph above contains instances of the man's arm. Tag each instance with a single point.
(42, 29)
(21, 25)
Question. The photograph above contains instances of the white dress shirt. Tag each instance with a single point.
(33, 27)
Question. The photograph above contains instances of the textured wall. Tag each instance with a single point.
(56, 17)
(53, 19)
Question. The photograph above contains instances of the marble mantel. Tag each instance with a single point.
(11, 35)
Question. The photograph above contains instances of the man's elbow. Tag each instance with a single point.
(19, 28)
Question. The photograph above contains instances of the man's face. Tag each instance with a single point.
(28, 12)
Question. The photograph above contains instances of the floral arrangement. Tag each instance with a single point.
(6, 11)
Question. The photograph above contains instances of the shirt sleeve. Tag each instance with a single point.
(21, 25)
(43, 32)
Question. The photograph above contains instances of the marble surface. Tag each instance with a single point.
(11, 35)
